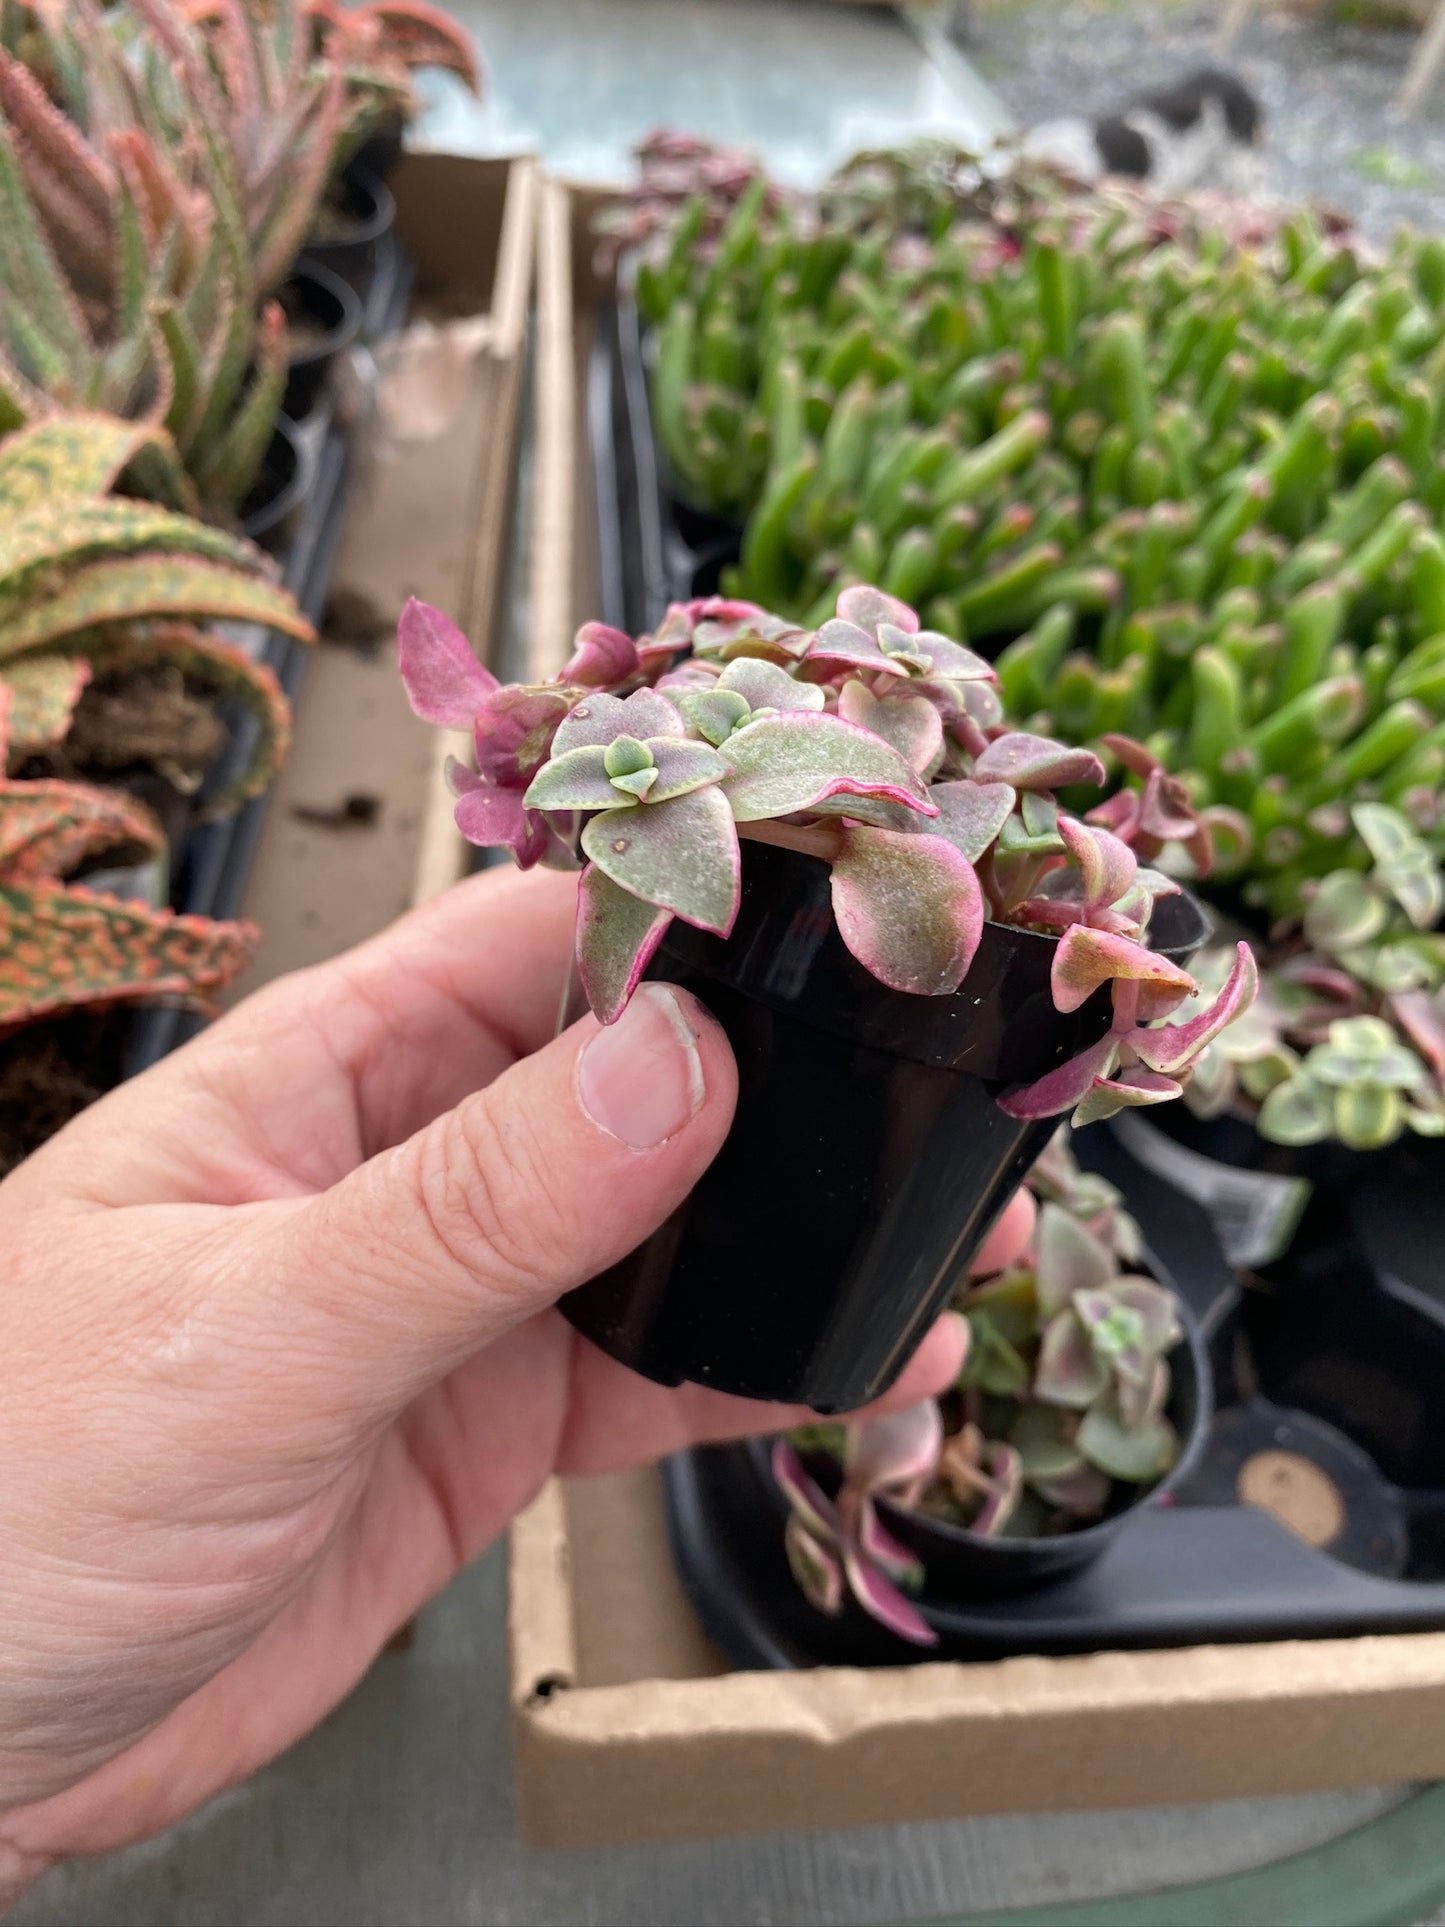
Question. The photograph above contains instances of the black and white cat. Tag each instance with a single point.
(1204, 132)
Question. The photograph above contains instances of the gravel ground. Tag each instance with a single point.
(1325, 91)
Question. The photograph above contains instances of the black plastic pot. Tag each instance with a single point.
(322, 298)
(379, 154)
(868, 1158)
(353, 251)
(270, 512)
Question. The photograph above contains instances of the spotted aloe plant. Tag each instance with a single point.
(1346, 1041)
(93, 583)
(872, 744)
(1058, 1419)
(63, 947)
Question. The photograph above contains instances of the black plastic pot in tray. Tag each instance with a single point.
(1325, 1389)
(360, 225)
(868, 1158)
(322, 301)
(272, 509)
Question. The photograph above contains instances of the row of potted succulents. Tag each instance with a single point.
(1165, 486)
(165, 167)
(1175, 468)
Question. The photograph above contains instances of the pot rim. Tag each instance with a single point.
(344, 330)
(261, 521)
(1192, 1346)
(370, 224)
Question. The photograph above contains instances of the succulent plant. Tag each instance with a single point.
(148, 208)
(65, 947)
(1059, 1416)
(873, 745)
(93, 583)
(685, 191)
(1346, 1040)
(1185, 486)
(378, 48)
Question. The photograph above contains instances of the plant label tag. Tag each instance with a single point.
(1255, 1212)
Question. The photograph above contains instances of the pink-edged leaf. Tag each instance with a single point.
(881, 1600)
(444, 681)
(1035, 763)
(1069, 1371)
(1083, 1492)
(1157, 1308)
(514, 733)
(1086, 959)
(1069, 1258)
(871, 608)
(600, 655)
(950, 660)
(1108, 866)
(1423, 1022)
(818, 1572)
(909, 907)
(783, 764)
(895, 1449)
(617, 935)
(1128, 1091)
(681, 855)
(970, 815)
(497, 819)
(602, 719)
(1060, 1090)
(1173, 1047)
(682, 767)
(1142, 1399)
(844, 645)
(909, 724)
(575, 780)
(763, 685)
(898, 1562)
(804, 1495)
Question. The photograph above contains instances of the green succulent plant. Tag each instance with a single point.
(1061, 1411)
(1183, 483)
(1346, 1040)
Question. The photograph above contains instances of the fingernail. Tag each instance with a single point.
(640, 1079)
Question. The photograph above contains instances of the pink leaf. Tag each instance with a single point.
(786, 763)
(1086, 959)
(844, 643)
(1108, 866)
(444, 681)
(681, 855)
(871, 608)
(899, 1563)
(496, 819)
(1421, 1019)
(1059, 1090)
(602, 719)
(803, 1493)
(514, 731)
(601, 656)
(617, 937)
(1173, 1047)
(1034, 762)
(970, 815)
(882, 1600)
(815, 1567)
(909, 724)
(1126, 1092)
(1070, 1259)
(909, 907)
(1069, 1371)
(896, 1448)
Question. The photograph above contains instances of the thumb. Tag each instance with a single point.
(532, 1186)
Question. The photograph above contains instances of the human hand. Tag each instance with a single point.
(280, 1352)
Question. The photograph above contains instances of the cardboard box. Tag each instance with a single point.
(429, 515)
(629, 1726)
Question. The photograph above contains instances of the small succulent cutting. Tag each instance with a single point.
(1346, 1040)
(873, 745)
(1059, 1417)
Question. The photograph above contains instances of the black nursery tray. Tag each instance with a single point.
(654, 548)
(1326, 1381)
(211, 863)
